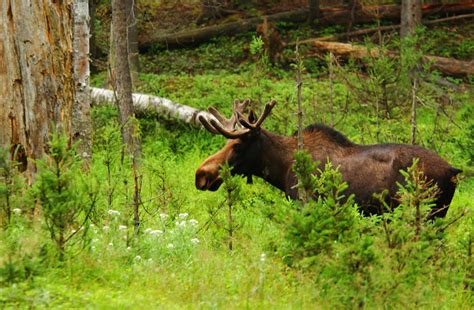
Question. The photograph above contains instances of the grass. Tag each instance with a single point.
(207, 275)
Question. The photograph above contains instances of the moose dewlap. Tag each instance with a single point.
(367, 169)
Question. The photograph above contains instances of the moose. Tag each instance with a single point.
(367, 169)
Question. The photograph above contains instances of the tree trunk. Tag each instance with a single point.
(314, 11)
(410, 17)
(121, 78)
(329, 16)
(81, 116)
(132, 35)
(94, 51)
(36, 68)
(448, 66)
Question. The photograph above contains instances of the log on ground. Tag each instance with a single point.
(329, 16)
(144, 104)
(448, 66)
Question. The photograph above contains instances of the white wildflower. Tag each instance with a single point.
(183, 215)
(106, 228)
(180, 223)
(193, 222)
(147, 230)
(263, 257)
(170, 246)
(156, 232)
(91, 225)
(163, 216)
(129, 248)
(122, 227)
(195, 241)
(16, 211)
(114, 212)
(138, 257)
(111, 244)
(73, 231)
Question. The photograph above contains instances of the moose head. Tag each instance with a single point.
(242, 150)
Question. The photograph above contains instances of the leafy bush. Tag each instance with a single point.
(65, 197)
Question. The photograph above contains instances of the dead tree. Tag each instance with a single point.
(272, 43)
(122, 82)
(36, 75)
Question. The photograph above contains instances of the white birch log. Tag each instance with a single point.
(147, 103)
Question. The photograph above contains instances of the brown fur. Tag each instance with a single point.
(367, 169)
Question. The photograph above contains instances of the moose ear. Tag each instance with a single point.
(252, 117)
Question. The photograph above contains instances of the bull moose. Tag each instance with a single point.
(367, 169)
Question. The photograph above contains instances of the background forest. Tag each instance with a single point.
(126, 227)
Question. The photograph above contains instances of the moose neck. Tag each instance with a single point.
(276, 159)
(277, 156)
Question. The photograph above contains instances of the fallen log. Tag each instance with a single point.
(386, 28)
(147, 103)
(329, 16)
(448, 66)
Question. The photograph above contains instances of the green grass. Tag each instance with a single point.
(207, 274)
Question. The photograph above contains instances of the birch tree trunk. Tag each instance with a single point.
(410, 17)
(36, 82)
(81, 115)
(143, 104)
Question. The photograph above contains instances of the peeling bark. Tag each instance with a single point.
(36, 82)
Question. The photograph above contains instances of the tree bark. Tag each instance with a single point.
(314, 11)
(329, 16)
(410, 17)
(81, 115)
(145, 104)
(36, 75)
(121, 78)
(448, 66)
(132, 35)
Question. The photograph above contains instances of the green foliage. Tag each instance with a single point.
(66, 199)
(11, 185)
(322, 222)
(321, 254)
(367, 257)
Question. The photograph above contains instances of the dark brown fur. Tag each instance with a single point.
(367, 169)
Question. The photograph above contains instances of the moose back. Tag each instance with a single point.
(367, 169)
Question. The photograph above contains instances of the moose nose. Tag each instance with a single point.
(201, 180)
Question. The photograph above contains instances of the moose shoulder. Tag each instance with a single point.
(367, 169)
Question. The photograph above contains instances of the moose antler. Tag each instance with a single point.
(227, 126)
(252, 126)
